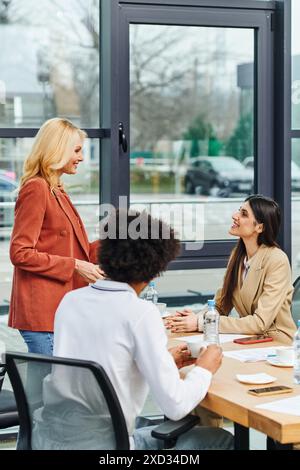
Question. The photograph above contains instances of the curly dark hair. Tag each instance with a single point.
(133, 255)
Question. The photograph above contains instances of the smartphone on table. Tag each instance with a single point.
(275, 390)
(253, 339)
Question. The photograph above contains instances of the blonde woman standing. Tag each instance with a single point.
(49, 247)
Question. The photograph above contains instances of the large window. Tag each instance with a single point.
(196, 103)
(192, 123)
(82, 187)
(194, 281)
(192, 120)
(295, 65)
(193, 89)
(49, 62)
(296, 208)
(295, 164)
(49, 66)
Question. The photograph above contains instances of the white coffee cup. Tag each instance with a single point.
(194, 347)
(162, 307)
(285, 355)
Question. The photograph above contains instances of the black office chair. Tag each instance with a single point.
(296, 300)
(8, 408)
(71, 404)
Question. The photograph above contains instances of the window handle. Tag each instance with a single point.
(122, 137)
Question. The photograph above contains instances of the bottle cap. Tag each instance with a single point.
(151, 284)
(211, 303)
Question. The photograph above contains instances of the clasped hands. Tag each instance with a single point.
(183, 321)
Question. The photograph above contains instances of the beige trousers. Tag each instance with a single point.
(208, 418)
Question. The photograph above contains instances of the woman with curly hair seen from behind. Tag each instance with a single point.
(108, 323)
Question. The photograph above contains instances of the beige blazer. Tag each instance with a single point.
(263, 300)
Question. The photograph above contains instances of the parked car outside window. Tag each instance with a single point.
(218, 176)
(295, 172)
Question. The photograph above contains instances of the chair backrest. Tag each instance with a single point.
(65, 404)
(296, 301)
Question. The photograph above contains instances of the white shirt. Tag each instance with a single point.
(108, 323)
(247, 264)
(246, 268)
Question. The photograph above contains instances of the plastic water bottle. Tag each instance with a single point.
(211, 324)
(151, 294)
(297, 355)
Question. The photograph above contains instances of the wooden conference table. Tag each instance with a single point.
(229, 398)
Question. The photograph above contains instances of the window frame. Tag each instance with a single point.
(258, 15)
(100, 133)
(114, 174)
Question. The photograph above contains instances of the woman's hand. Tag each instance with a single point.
(182, 356)
(89, 271)
(182, 321)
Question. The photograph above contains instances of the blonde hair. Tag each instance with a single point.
(51, 151)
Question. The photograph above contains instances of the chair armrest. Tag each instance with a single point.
(172, 429)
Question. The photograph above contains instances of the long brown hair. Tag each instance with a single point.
(267, 212)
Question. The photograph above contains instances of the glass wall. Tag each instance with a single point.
(49, 62)
(192, 116)
(205, 281)
(192, 120)
(82, 187)
(194, 219)
(296, 207)
(49, 66)
(295, 65)
(296, 140)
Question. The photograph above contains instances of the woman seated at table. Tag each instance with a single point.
(257, 281)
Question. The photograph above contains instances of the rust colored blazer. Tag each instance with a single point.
(48, 235)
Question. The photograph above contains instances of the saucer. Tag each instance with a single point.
(258, 379)
(275, 362)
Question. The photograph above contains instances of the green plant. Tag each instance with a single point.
(198, 131)
(240, 144)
